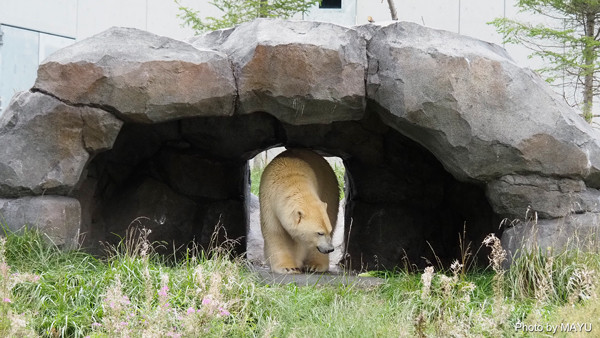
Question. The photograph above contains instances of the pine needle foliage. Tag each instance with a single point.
(567, 42)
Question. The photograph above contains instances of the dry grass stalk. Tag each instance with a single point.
(582, 285)
(426, 278)
(496, 258)
(11, 323)
(543, 281)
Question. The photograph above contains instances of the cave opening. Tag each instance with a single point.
(183, 178)
(255, 242)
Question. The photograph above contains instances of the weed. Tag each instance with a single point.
(497, 258)
(12, 323)
(426, 278)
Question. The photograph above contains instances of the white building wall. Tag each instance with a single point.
(51, 16)
(345, 16)
(156, 16)
(83, 18)
(439, 14)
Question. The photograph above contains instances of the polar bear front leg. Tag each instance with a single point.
(316, 261)
(280, 255)
(283, 264)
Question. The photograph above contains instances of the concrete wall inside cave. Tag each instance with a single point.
(182, 178)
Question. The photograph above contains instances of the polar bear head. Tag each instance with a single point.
(314, 227)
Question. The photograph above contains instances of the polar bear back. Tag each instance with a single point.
(297, 169)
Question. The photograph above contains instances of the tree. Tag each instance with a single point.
(568, 44)
(393, 12)
(238, 11)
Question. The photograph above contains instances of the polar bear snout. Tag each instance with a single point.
(324, 244)
(325, 249)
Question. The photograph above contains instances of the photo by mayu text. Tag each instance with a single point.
(554, 328)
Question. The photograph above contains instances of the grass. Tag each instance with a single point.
(135, 292)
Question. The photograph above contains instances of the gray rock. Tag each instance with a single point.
(100, 130)
(416, 184)
(514, 195)
(302, 72)
(151, 204)
(468, 103)
(187, 175)
(255, 242)
(140, 76)
(56, 216)
(45, 144)
(232, 137)
(575, 231)
(375, 227)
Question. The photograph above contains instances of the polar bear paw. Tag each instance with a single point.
(315, 268)
(287, 270)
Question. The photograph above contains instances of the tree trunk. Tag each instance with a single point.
(589, 56)
(393, 10)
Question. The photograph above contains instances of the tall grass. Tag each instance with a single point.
(137, 293)
(132, 292)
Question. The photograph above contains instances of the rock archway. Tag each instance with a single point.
(435, 130)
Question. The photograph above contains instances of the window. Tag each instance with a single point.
(331, 4)
(21, 51)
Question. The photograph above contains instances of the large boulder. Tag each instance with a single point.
(140, 76)
(485, 119)
(468, 103)
(57, 216)
(546, 196)
(301, 72)
(45, 144)
(574, 231)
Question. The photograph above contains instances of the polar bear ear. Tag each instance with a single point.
(299, 215)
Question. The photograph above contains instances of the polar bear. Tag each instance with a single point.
(299, 199)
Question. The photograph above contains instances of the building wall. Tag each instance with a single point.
(21, 52)
(56, 16)
(345, 16)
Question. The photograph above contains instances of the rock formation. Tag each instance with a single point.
(436, 131)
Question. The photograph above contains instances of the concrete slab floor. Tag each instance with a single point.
(312, 279)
